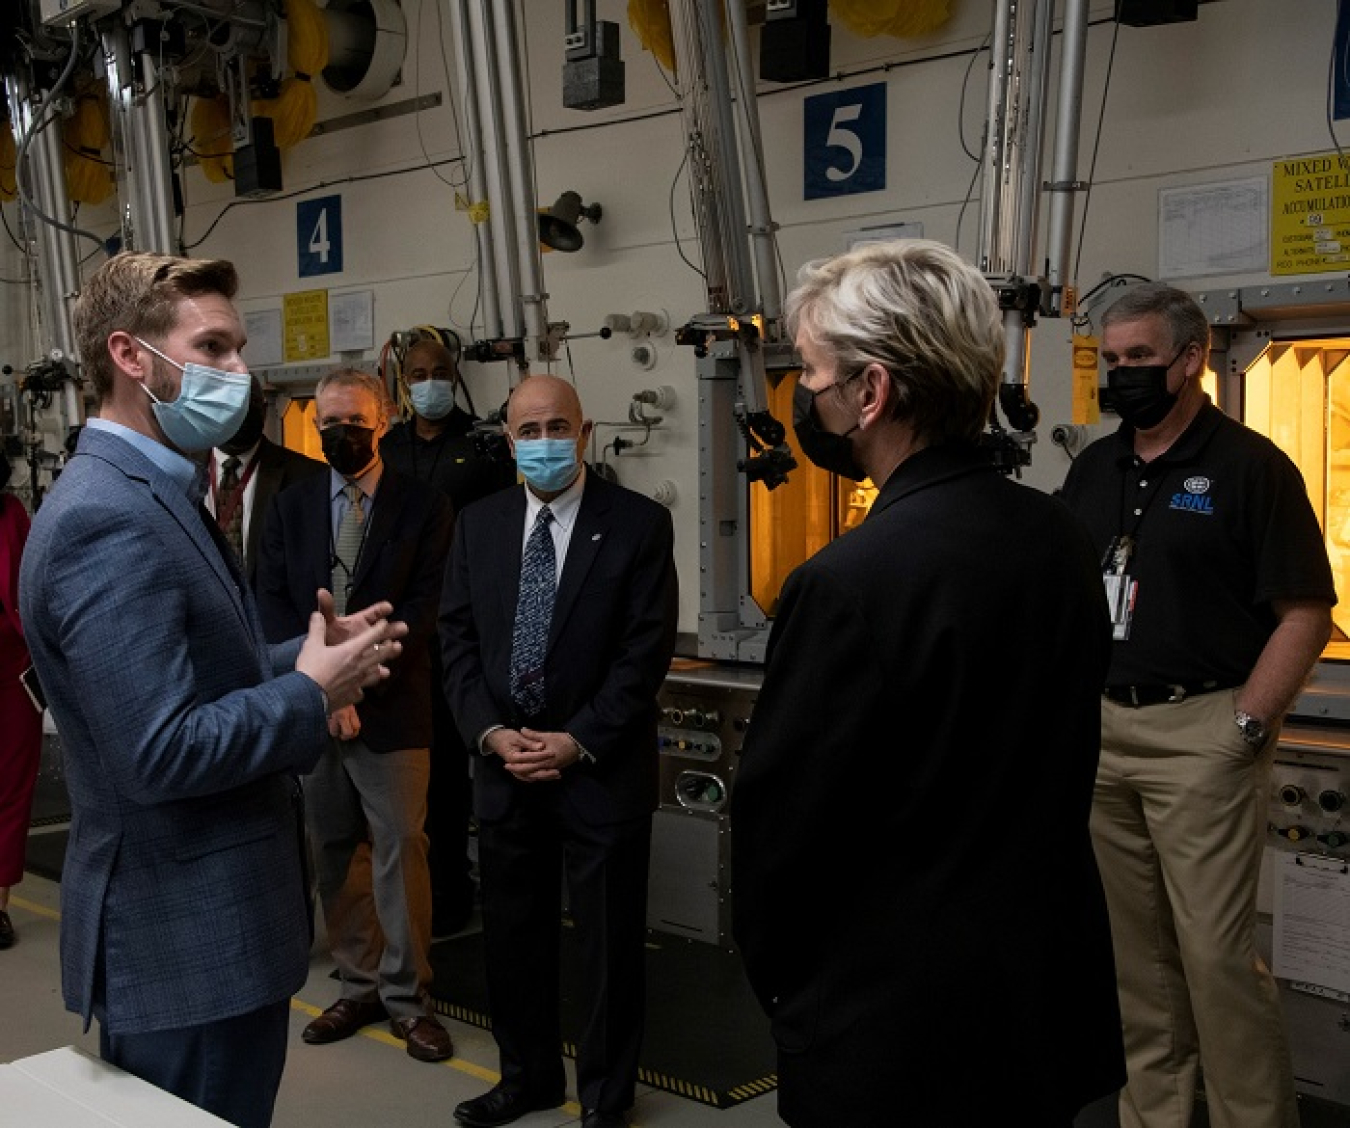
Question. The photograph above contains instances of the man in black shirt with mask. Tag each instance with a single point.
(372, 534)
(1220, 593)
(436, 445)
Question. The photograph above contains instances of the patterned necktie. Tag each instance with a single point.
(534, 612)
(229, 501)
(347, 549)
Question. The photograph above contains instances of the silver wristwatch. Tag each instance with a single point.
(1252, 728)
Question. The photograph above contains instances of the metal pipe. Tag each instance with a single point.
(504, 262)
(762, 228)
(523, 214)
(154, 179)
(480, 214)
(1033, 98)
(58, 271)
(1064, 180)
(140, 144)
(739, 274)
(995, 140)
(701, 168)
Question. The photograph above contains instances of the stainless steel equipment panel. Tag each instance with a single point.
(1308, 810)
(705, 711)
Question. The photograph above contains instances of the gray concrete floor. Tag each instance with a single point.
(365, 1082)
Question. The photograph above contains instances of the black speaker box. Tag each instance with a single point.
(794, 50)
(1146, 13)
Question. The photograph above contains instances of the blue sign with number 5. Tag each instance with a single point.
(318, 236)
(844, 142)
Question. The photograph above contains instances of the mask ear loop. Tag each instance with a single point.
(168, 360)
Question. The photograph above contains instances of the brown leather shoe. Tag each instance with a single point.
(427, 1039)
(343, 1019)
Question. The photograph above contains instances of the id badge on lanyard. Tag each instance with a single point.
(1121, 589)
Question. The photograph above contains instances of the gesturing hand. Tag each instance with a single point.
(343, 669)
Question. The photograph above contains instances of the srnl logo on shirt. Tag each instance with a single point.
(1194, 497)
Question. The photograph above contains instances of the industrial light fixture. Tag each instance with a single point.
(558, 224)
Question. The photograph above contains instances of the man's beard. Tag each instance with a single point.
(162, 382)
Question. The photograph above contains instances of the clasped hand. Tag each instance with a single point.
(531, 756)
(346, 655)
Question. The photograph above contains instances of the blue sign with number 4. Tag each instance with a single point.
(844, 142)
(318, 236)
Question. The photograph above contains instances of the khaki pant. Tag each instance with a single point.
(1178, 823)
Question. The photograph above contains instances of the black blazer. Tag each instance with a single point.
(914, 888)
(403, 560)
(278, 468)
(610, 644)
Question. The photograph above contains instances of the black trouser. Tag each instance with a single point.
(449, 803)
(523, 859)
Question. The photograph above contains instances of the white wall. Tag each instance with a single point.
(1206, 102)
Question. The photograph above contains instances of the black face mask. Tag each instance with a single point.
(250, 430)
(348, 448)
(826, 449)
(1140, 393)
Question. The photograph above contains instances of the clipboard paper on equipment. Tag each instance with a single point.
(1312, 922)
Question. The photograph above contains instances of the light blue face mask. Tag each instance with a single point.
(432, 399)
(549, 465)
(211, 405)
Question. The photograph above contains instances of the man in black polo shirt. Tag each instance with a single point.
(436, 446)
(1220, 593)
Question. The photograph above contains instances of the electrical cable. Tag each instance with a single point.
(312, 188)
(9, 231)
(970, 191)
(674, 230)
(46, 103)
(417, 91)
(1113, 280)
(664, 77)
(1082, 317)
(1096, 145)
(87, 156)
(961, 105)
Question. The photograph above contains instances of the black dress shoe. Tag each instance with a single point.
(595, 1119)
(6, 930)
(343, 1019)
(501, 1105)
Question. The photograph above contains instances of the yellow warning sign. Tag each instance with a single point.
(305, 325)
(1310, 214)
(1086, 406)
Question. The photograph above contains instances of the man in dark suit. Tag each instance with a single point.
(246, 473)
(376, 535)
(436, 445)
(557, 627)
(185, 923)
(914, 890)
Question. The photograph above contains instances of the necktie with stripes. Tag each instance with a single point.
(347, 548)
